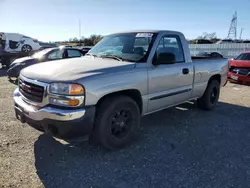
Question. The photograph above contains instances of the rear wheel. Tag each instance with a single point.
(117, 122)
(26, 48)
(210, 97)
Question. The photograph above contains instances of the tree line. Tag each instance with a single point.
(85, 41)
(206, 36)
(94, 39)
(213, 38)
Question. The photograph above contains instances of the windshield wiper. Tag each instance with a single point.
(112, 57)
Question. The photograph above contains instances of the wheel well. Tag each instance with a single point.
(26, 45)
(215, 77)
(132, 93)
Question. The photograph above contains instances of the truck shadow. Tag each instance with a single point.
(175, 144)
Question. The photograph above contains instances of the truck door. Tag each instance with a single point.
(170, 84)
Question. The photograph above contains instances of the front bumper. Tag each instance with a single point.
(13, 71)
(238, 78)
(58, 122)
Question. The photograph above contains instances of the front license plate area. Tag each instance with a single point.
(234, 77)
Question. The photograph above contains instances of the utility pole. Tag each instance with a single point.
(232, 33)
(241, 32)
(80, 25)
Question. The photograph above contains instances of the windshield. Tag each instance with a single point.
(41, 53)
(127, 46)
(243, 57)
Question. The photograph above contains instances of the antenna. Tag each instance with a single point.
(241, 32)
(232, 33)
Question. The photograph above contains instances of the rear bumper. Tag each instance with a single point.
(59, 122)
(241, 78)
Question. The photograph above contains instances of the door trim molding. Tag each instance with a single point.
(170, 94)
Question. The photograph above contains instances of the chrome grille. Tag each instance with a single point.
(31, 91)
(240, 71)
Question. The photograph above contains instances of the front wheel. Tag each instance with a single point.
(210, 97)
(117, 122)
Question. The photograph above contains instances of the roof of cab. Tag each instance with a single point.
(146, 31)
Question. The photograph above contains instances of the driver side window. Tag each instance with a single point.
(57, 54)
(171, 44)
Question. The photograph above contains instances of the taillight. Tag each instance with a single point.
(34, 40)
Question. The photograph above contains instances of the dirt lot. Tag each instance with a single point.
(178, 147)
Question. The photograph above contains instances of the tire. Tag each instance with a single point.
(210, 97)
(7, 62)
(117, 122)
(26, 48)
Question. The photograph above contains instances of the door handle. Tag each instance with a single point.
(185, 71)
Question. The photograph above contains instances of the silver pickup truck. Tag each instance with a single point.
(125, 76)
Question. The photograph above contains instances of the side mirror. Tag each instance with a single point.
(164, 58)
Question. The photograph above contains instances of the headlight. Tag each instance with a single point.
(63, 94)
(66, 89)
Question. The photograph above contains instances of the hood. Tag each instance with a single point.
(240, 63)
(73, 69)
(22, 60)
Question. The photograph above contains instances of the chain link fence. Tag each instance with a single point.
(229, 50)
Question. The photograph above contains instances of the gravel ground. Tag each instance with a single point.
(178, 147)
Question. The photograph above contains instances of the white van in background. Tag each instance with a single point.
(15, 42)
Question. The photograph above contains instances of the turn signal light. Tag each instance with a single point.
(73, 102)
(63, 102)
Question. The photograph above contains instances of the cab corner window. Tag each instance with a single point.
(171, 44)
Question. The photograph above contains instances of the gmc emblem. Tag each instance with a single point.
(25, 88)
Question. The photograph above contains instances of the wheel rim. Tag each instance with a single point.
(121, 123)
(213, 95)
(26, 48)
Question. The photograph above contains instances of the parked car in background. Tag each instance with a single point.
(123, 77)
(15, 42)
(45, 45)
(49, 54)
(210, 54)
(85, 49)
(239, 69)
(246, 41)
(225, 41)
(237, 41)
